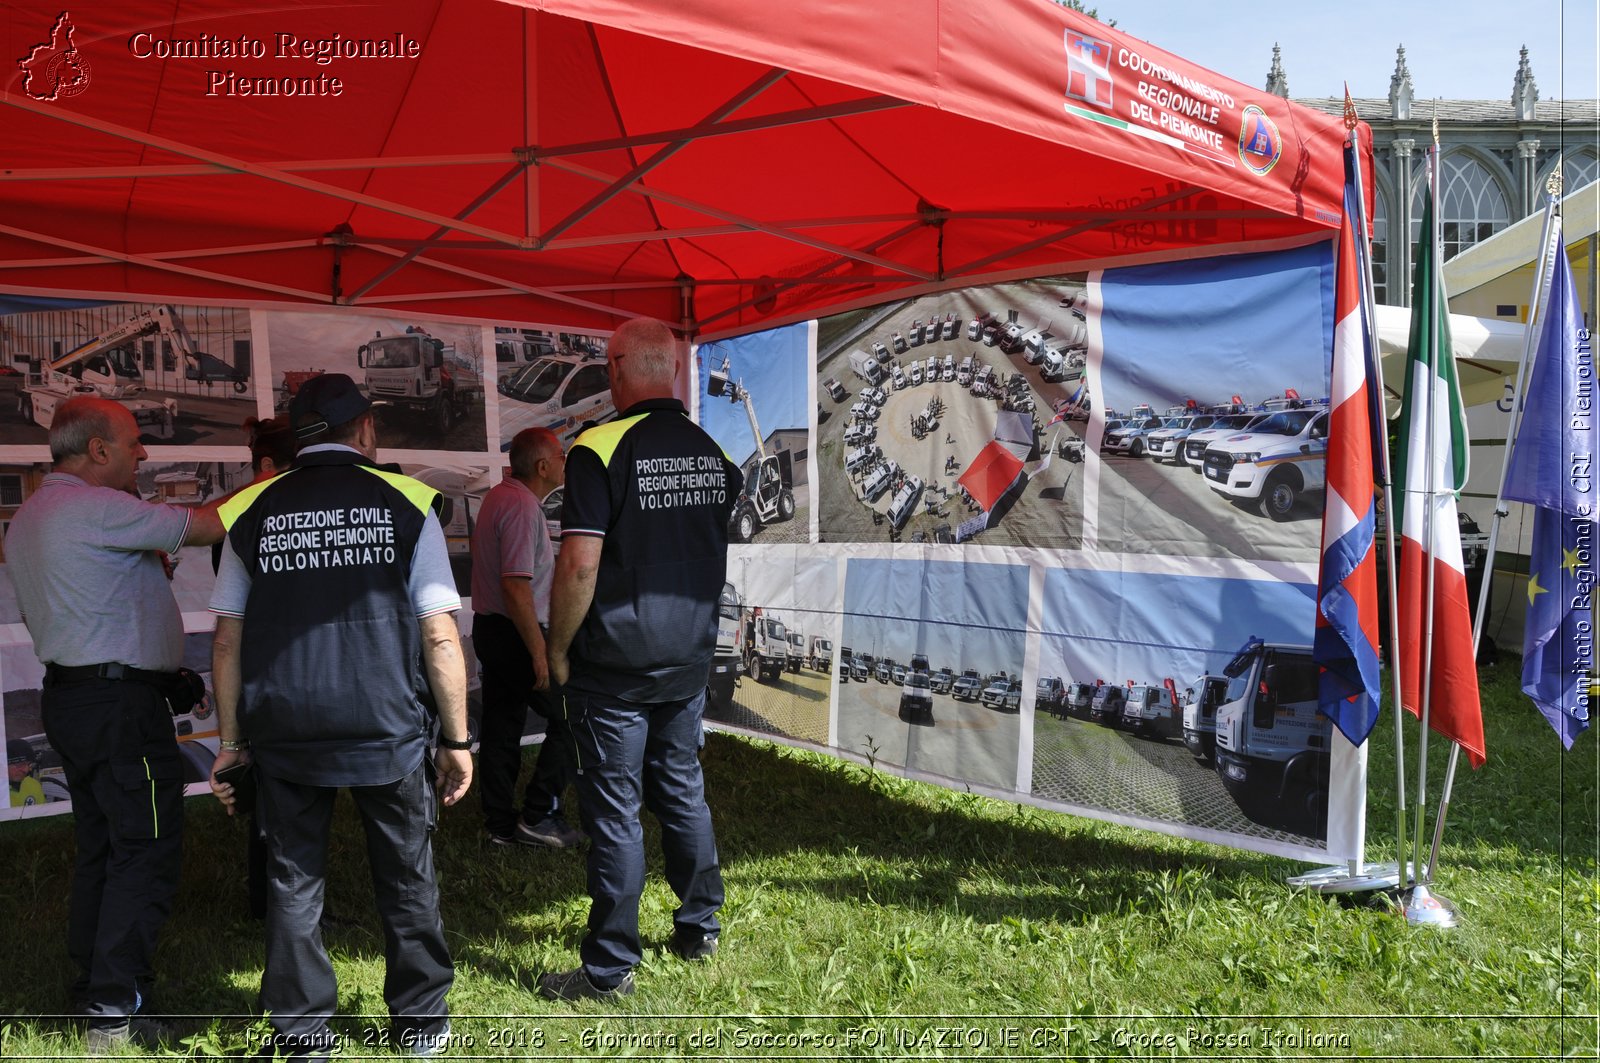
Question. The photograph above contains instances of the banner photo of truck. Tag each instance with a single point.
(186, 373)
(935, 673)
(939, 417)
(753, 403)
(777, 626)
(425, 379)
(1211, 439)
(1189, 703)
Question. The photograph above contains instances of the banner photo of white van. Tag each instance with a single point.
(1189, 703)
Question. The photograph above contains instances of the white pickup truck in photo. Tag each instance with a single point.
(1274, 464)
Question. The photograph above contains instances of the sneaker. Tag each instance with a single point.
(575, 985)
(501, 839)
(424, 1044)
(552, 833)
(687, 944)
(140, 1030)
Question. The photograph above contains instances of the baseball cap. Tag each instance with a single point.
(20, 751)
(325, 402)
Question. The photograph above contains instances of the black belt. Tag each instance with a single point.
(62, 674)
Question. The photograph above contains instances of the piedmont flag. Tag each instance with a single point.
(1434, 545)
(1552, 469)
(1346, 639)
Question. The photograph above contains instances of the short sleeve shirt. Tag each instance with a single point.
(659, 491)
(86, 565)
(511, 538)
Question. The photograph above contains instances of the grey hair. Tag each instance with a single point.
(76, 422)
(529, 446)
(650, 347)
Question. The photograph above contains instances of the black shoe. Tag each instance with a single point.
(687, 944)
(139, 1030)
(575, 985)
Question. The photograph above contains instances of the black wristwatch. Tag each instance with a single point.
(449, 743)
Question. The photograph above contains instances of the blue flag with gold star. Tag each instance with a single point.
(1552, 469)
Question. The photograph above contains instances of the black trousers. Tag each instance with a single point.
(631, 756)
(298, 988)
(125, 775)
(507, 671)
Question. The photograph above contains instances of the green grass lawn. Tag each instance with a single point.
(872, 916)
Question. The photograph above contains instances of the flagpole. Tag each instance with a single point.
(1369, 316)
(1429, 532)
(1537, 300)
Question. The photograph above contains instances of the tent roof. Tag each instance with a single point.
(991, 474)
(574, 161)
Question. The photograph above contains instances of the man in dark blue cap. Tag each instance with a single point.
(335, 660)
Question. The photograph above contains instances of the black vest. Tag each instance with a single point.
(334, 688)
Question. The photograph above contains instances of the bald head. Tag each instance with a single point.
(96, 440)
(79, 420)
(643, 356)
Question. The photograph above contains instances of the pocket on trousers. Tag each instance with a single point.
(147, 787)
(588, 752)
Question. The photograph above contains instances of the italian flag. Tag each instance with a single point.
(1430, 547)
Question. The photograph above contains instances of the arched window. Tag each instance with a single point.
(1577, 170)
(1380, 246)
(1472, 206)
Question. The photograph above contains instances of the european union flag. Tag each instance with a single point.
(1552, 469)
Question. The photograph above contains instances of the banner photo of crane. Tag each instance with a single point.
(1190, 702)
(753, 402)
(186, 373)
(425, 380)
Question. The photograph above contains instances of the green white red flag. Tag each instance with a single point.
(1433, 426)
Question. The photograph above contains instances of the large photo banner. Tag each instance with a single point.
(1051, 540)
(1064, 545)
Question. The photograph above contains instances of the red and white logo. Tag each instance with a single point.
(1088, 69)
(55, 69)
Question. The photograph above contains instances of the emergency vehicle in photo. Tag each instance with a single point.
(1275, 463)
(1272, 745)
(1200, 705)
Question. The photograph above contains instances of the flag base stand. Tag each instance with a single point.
(1343, 878)
(1423, 907)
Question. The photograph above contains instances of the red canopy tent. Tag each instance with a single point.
(992, 474)
(719, 164)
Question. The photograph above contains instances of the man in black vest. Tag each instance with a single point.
(336, 651)
(633, 628)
